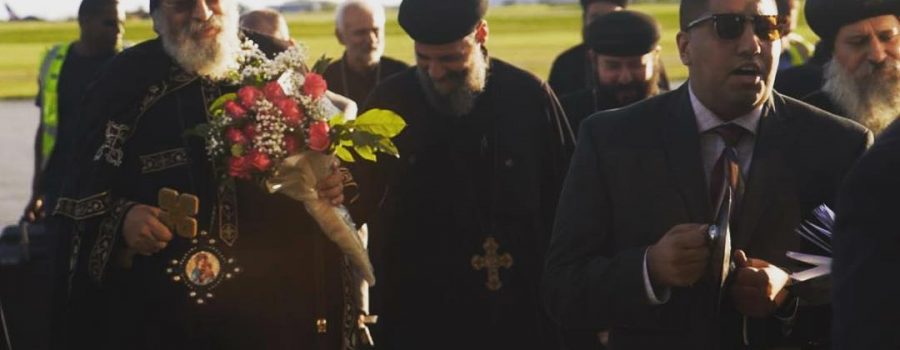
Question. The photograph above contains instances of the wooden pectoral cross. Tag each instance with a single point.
(492, 262)
(178, 211)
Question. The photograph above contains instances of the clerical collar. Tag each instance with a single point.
(707, 120)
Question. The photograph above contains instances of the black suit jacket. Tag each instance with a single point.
(637, 172)
(867, 250)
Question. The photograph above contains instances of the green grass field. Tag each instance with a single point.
(529, 36)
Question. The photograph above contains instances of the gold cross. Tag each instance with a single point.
(492, 262)
(178, 211)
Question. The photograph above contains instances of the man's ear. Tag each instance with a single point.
(683, 40)
(482, 32)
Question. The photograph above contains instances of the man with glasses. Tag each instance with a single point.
(273, 280)
(665, 195)
(624, 47)
(862, 79)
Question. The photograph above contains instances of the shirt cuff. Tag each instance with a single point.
(652, 296)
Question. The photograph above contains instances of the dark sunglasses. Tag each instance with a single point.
(730, 26)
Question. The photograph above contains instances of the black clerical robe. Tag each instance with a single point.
(571, 71)
(357, 86)
(465, 215)
(260, 274)
(582, 103)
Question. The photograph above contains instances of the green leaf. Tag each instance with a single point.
(321, 64)
(364, 139)
(366, 152)
(219, 103)
(345, 155)
(381, 122)
(201, 130)
(387, 147)
(337, 120)
(237, 150)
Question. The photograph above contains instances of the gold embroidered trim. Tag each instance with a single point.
(164, 160)
(88, 207)
(106, 240)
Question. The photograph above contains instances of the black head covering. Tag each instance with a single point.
(153, 5)
(439, 22)
(623, 33)
(622, 3)
(826, 17)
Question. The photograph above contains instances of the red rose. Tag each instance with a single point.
(290, 144)
(314, 85)
(235, 136)
(273, 91)
(318, 136)
(248, 96)
(250, 131)
(290, 111)
(235, 110)
(258, 160)
(239, 167)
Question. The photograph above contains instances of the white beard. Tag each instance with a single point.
(870, 95)
(212, 57)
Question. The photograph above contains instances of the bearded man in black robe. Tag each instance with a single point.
(624, 47)
(359, 27)
(258, 274)
(465, 212)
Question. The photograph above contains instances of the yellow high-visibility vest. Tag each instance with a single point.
(49, 80)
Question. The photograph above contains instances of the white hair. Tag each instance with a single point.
(372, 6)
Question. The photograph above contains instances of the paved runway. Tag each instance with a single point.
(18, 123)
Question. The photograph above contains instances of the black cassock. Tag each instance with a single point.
(345, 81)
(582, 103)
(260, 275)
(468, 195)
(571, 71)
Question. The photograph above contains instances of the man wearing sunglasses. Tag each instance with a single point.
(65, 71)
(661, 194)
(862, 79)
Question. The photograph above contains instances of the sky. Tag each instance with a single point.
(59, 9)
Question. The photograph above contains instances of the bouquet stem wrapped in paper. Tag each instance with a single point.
(297, 177)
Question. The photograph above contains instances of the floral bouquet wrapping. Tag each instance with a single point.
(280, 131)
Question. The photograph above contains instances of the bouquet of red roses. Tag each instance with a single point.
(280, 130)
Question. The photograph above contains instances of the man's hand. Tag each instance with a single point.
(758, 287)
(680, 257)
(332, 188)
(35, 210)
(143, 231)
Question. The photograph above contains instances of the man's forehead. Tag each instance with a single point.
(749, 7)
(359, 17)
(878, 24)
(455, 48)
(645, 58)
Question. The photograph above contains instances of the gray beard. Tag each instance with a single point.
(212, 58)
(869, 96)
(461, 100)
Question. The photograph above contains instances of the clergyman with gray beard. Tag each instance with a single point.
(271, 279)
(463, 216)
(862, 79)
